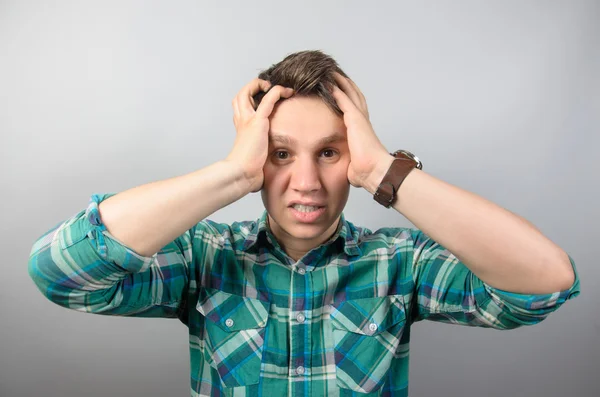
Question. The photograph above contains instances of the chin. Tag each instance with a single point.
(305, 232)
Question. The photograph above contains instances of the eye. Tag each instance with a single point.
(328, 152)
(281, 155)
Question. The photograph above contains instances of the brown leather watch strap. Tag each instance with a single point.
(388, 188)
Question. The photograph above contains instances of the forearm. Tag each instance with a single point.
(148, 217)
(501, 248)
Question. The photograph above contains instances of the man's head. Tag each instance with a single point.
(308, 153)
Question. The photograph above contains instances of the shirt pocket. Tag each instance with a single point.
(234, 330)
(366, 335)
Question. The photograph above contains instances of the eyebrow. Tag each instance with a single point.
(286, 140)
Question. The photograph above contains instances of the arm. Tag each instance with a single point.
(501, 248)
(148, 217)
(98, 262)
(474, 263)
(444, 289)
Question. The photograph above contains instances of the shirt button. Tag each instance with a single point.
(301, 270)
(229, 323)
(300, 370)
(372, 327)
(300, 317)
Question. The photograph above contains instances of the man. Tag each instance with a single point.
(301, 301)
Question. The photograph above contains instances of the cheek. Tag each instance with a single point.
(339, 175)
(273, 184)
(337, 183)
(270, 174)
(268, 170)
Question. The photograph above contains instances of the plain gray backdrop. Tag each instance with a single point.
(498, 98)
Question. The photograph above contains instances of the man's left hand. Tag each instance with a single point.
(368, 156)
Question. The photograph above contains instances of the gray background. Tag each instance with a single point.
(499, 98)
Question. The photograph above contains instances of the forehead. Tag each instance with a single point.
(304, 120)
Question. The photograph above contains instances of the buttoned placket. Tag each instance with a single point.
(300, 327)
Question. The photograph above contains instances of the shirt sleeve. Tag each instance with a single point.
(447, 291)
(79, 265)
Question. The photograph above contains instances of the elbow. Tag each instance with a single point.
(567, 269)
(568, 280)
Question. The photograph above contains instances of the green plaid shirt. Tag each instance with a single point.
(335, 323)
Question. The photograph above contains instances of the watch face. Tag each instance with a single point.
(412, 156)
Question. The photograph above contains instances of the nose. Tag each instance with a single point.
(305, 175)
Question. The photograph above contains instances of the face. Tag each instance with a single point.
(307, 163)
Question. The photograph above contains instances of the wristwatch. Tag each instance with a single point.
(402, 165)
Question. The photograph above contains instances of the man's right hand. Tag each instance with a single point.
(251, 145)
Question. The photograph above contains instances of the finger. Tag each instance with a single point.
(254, 86)
(344, 84)
(268, 102)
(343, 101)
(354, 93)
(358, 91)
(363, 100)
(244, 97)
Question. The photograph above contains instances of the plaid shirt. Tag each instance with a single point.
(336, 322)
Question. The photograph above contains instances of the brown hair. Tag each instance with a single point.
(309, 73)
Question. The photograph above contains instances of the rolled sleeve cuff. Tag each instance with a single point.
(532, 308)
(108, 247)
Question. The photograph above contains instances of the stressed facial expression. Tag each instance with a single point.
(306, 172)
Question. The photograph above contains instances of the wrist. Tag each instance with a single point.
(244, 181)
(376, 176)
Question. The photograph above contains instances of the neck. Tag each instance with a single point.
(295, 255)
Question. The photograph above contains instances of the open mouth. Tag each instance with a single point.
(307, 213)
(306, 208)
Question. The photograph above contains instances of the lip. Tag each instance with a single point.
(307, 217)
(307, 203)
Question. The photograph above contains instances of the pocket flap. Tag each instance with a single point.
(232, 312)
(368, 316)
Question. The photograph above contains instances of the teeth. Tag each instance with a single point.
(305, 208)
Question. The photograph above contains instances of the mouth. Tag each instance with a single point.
(307, 213)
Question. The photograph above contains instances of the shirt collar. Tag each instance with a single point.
(346, 233)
